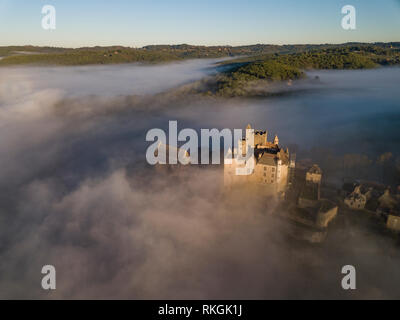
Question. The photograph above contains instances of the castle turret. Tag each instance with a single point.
(276, 140)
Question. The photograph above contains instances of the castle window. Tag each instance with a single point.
(265, 174)
(265, 168)
(273, 169)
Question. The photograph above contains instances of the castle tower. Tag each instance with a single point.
(292, 167)
(249, 140)
(276, 140)
(314, 175)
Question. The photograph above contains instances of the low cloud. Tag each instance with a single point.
(77, 193)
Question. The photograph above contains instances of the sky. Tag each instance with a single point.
(206, 22)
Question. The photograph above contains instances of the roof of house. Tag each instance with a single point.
(309, 214)
(326, 205)
(267, 159)
(356, 196)
(310, 191)
(315, 169)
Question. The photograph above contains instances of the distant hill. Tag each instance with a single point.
(17, 55)
(252, 75)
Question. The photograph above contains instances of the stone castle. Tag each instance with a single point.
(272, 165)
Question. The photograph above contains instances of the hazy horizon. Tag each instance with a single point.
(136, 24)
(199, 45)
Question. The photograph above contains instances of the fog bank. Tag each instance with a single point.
(78, 194)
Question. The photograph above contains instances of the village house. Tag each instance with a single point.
(318, 216)
(387, 200)
(311, 191)
(393, 222)
(311, 209)
(357, 199)
(389, 207)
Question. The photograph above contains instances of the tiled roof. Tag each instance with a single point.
(315, 169)
(268, 159)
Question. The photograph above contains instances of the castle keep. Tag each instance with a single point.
(272, 165)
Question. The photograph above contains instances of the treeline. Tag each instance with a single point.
(354, 57)
(88, 56)
(237, 82)
(240, 75)
(302, 56)
(328, 60)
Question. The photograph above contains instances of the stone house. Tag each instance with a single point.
(356, 200)
(393, 222)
